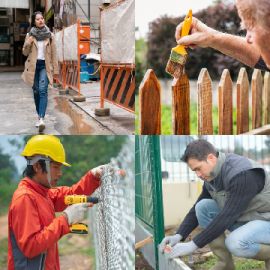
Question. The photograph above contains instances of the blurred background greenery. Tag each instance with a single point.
(153, 50)
(83, 153)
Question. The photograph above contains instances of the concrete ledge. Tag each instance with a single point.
(171, 264)
(148, 250)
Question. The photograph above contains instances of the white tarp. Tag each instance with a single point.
(70, 43)
(59, 45)
(14, 4)
(118, 33)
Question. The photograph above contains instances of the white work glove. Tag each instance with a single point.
(182, 249)
(101, 170)
(75, 212)
(169, 240)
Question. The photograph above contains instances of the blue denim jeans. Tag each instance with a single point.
(40, 88)
(244, 239)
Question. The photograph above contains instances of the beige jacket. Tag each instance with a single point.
(31, 51)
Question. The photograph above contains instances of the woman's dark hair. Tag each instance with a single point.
(29, 170)
(199, 149)
(33, 17)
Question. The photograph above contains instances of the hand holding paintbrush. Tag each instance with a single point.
(179, 54)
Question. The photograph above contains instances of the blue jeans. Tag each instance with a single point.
(244, 239)
(40, 88)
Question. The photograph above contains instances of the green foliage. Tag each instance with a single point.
(8, 173)
(8, 170)
(3, 252)
(240, 264)
(160, 41)
(87, 152)
(6, 192)
(140, 54)
(220, 16)
(166, 119)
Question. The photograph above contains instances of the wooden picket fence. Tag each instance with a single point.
(150, 104)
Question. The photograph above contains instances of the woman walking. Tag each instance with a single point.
(41, 64)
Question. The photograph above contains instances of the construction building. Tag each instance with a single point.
(15, 22)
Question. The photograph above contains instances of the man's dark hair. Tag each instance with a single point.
(29, 170)
(199, 150)
(33, 17)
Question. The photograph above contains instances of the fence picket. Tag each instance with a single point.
(181, 106)
(225, 104)
(150, 104)
(242, 109)
(266, 98)
(256, 88)
(205, 122)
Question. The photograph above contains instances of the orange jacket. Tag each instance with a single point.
(33, 228)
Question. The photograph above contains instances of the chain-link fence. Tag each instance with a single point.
(112, 220)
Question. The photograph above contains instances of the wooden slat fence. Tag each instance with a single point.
(150, 104)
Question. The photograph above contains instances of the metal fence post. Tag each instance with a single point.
(157, 194)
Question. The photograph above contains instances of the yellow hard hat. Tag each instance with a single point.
(47, 145)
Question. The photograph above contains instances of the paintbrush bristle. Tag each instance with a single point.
(178, 58)
(176, 64)
(174, 69)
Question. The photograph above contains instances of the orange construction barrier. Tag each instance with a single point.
(69, 71)
(118, 85)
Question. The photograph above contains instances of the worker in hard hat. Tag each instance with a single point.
(34, 230)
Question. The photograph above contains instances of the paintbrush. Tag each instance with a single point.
(179, 54)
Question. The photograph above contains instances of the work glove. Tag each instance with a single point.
(75, 212)
(101, 170)
(182, 249)
(169, 240)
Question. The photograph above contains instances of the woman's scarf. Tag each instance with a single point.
(40, 33)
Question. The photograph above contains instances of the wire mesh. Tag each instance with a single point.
(143, 181)
(112, 221)
(148, 188)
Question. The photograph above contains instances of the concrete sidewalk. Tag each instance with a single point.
(119, 121)
(18, 115)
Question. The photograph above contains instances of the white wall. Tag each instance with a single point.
(178, 198)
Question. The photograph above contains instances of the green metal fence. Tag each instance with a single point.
(148, 187)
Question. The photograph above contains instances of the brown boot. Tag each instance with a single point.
(264, 255)
(225, 260)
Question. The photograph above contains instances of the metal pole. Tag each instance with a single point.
(79, 57)
(89, 10)
(157, 194)
(101, 87)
